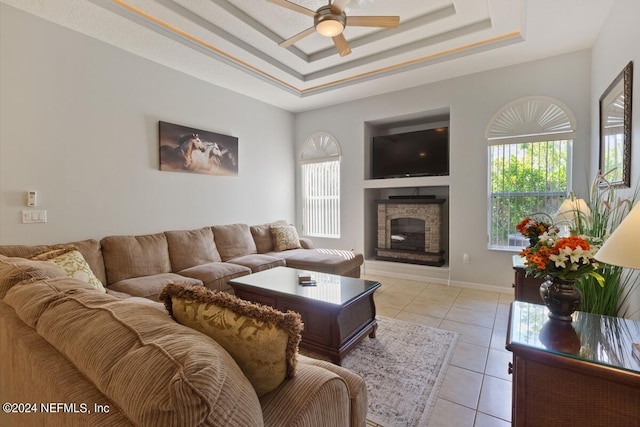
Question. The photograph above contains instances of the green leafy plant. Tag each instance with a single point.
(607, 212)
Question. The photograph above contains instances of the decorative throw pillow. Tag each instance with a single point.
(285, 238)
(72, 262)
(262, 340)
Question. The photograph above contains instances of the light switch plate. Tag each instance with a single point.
(34, 216)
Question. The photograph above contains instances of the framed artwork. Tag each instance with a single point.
(615, 129)
(186, 149)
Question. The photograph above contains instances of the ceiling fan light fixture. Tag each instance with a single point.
(329, 28)
(329, 24)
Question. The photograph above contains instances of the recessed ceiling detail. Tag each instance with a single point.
(303, 74)
(235, 43)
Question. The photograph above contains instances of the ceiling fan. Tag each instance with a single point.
(330, 21)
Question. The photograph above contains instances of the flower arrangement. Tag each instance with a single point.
(565, 258)
(533, 229)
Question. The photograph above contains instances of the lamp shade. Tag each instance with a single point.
(570, 208)
(621, 248)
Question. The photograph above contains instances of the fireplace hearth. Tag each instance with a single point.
(410, 231)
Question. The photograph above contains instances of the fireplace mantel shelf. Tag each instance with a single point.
(411, 201)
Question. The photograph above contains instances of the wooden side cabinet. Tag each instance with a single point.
(527, 289)
(580, 373)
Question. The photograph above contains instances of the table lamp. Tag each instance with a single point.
(621, 248)
(572, 212)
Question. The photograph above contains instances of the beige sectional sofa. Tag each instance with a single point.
(142, 265)
(115, 358)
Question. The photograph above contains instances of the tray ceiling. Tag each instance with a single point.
(234, 43)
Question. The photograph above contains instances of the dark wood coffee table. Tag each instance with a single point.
(338, 312)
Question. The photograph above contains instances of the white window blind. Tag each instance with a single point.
(320, 163)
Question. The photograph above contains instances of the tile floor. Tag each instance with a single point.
(477, 388)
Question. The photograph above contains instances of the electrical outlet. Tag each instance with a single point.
(465, 259)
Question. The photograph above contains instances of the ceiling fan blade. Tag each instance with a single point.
(294, 7)
(373, 21)
(338, 6)
(302, 34)
(341, 45)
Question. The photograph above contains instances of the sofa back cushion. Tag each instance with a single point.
(262, 235)
(159, 372)
(135, 256)
(233, 240)
(90, 250)
(188, 248)
(14, 270)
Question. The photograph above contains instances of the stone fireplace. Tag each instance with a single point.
(410, 230)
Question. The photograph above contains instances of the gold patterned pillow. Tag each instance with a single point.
(262, 340)
(285, 238)
(72, 262)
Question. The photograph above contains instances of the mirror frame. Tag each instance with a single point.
(622, 85)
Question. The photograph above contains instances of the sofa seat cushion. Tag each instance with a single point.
(258, 262)
(233, 240)
(189, 248)
(215, 275)
(332, 261)
(159, 372)
(262, 340)
(150, 286)
(14, 270)
(262, 235)
(126, 257)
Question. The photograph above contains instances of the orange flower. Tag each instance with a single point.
(572, 242)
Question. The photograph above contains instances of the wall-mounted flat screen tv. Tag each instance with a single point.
(419, 153)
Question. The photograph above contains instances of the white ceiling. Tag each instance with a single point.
(234, 43)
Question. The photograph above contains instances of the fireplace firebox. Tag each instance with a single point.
(410, 231)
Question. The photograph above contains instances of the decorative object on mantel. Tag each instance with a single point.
(186, 149)
(561, 260)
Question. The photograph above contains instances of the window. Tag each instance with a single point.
(320, 163)
(530, 147)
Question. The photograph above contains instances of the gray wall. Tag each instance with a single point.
(79, 123)
(472, 101)
(616, 45)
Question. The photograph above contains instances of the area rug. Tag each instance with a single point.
(403, 367)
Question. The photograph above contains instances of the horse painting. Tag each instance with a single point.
(189, 150)
(181, 157)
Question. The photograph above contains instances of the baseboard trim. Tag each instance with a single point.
(426, 274)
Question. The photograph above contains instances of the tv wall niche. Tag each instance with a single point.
(409, 154)
(412, 181)
(408, 146)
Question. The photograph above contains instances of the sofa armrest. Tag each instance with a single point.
(355, 384)
(303, 400)
(306, 243)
